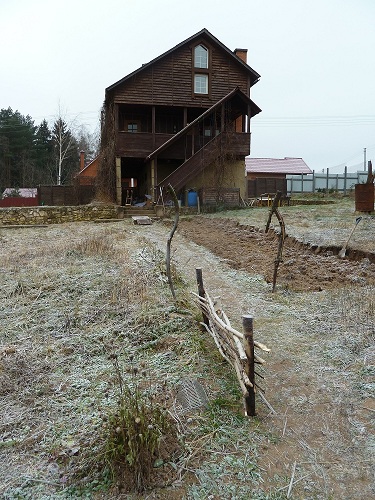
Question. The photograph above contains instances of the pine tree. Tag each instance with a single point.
(44, 153)
(17, 135)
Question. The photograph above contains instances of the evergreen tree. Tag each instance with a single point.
(31, 155)
(44, 153)
(17, 135)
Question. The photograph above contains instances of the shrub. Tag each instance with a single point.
(135, 430)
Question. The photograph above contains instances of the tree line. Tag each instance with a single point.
(32, 155)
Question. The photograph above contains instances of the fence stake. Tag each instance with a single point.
(275, 203)
(248, 341)
(345, 178)
(201, 291)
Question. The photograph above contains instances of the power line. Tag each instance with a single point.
(303, 121)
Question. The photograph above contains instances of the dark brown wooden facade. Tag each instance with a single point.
(266, 185)
(177, 114)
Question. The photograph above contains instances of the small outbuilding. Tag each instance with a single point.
(268, 175)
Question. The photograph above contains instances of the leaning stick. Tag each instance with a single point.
(219, 321)
(225, 326)
(216, 342)
(262, 396)
(291, 481)
(208, 307)
(169, 241)
(239, 346)
(240, 380)
(263, 347)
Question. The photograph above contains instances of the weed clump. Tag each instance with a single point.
(140, 430)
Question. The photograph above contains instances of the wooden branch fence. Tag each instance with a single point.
(235, 347)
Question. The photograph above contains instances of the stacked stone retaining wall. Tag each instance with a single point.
(16, 216)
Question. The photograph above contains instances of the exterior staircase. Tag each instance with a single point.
(131, 211)
(193, 165)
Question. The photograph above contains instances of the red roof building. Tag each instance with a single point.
(268, 175)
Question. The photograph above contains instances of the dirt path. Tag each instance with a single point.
(318, 375)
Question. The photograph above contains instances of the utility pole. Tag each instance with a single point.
(364, 159)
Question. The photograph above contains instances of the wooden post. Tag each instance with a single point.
(201, 291)
(279, 257)
(248, 341)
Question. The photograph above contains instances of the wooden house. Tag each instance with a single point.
(182, 119)
(268, 175)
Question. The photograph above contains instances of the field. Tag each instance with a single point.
(81, 301)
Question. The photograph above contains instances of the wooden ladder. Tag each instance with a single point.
(129, 197)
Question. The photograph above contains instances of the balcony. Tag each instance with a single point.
(140, 145)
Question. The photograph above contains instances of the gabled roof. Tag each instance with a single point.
(276, 166)
(235, 92)
(88, 166)
(203, 33)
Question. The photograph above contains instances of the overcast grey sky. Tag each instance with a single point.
(315, 58)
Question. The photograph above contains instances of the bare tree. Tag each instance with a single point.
(88, 142)
(64, 141)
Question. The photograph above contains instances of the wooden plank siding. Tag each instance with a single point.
(141, 145)
(263, 185)
(138, 145)
(169, 82)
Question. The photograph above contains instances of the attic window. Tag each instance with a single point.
(200, 57)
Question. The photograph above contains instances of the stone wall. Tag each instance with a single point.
(15, 216)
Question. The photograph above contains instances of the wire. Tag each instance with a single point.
(303, 121)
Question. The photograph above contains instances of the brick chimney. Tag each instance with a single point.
(81, 160)
(242, 54)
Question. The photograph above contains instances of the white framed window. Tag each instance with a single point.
(200, 57)
(201, 84)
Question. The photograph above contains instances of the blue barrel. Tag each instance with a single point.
(192, 199)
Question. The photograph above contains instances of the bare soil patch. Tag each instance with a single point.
(304, 267)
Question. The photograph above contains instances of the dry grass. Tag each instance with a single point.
(73, 294)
